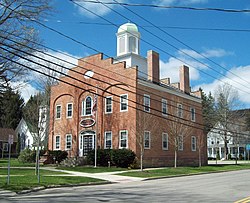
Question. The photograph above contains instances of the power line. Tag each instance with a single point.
(28, 67)
(171, 7)
(164, 50)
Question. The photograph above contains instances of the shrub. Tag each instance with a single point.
(56, 156)
(27, 156)
(117, 157)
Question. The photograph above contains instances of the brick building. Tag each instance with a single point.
(135, 109)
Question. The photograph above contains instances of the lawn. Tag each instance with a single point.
(168, 172)
(14, 162)
(23, 179)
(85, 169)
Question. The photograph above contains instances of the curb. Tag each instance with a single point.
(60, 186)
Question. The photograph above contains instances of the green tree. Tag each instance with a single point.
(11, 108)
(208, 111)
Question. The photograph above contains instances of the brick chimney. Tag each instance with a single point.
(153, 66)
(184, 79)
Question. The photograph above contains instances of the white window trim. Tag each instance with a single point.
(195, 144)
(67, 108)
(182, 143)
(178, 104)
(83, 112)
(121, 103)
(59, 142)
(194, 114)
(105, 133)
(149, 140)
(60, 111)
(144, 103)
(66, 141)
(120, 139)
(164, 148)
(166, 102)
(106, 105)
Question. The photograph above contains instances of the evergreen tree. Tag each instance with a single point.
(11, 105)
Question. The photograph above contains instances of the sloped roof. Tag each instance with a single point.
(5, 132)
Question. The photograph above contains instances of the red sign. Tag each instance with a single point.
(87, 122)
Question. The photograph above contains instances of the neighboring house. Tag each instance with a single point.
(236, 143)
(24, 134)
(4, 137)
(130, 92)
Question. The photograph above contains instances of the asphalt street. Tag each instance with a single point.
(217, 187)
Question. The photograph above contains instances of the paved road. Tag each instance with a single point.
(219, 187)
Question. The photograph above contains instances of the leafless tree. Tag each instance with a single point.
(227, 100)
(17, 33)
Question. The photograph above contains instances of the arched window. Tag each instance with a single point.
(88, 106)
(132, 44)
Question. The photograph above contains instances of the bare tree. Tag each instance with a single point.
(200, 146)
(227, 100)
(179, 130)
(18, 33)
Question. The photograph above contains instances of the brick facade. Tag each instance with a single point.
(113, 79)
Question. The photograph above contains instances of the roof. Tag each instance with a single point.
(129, 27)
(5, 132)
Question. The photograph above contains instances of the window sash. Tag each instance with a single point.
(146, 140)
(165, 141)
(108, 140)
(57, 142)
(192, 114)
(180, 142)
(108, 105)
(88, 106)
(146, 103)
(123, 139)
(179, 110)
(164, 107)
(68, 142)
(58, 111)
(124, 102)
(193, 143)
(69, 110)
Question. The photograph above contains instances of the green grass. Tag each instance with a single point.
(14, 162)
(92, 169)
(167, 172)
(19, 183)
(23, 179)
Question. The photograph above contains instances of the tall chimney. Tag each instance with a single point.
(184, 79)
(153, 66)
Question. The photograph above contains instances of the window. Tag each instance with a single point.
(108, 105)
(164, 141)
(5, 147)
(179, 110)
(124, 102)
(180, 142)
(132, 44)
(193, 143)
(68, 143)
(121, 44)
(69, 110)
(57, 142)
(123, 139)
(108, 140)
(58, 111)
(88, 106)
(146, 140)
(146, 103)
(192, 114)
(164, 107)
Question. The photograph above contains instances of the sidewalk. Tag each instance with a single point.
(108, 176)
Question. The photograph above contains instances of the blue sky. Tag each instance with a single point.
(227, 51)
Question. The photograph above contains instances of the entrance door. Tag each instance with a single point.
(86, 142)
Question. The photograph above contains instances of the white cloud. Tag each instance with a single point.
(97, 8)
(187, 57)
(239, 79)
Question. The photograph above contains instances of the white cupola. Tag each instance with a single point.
(128, 39)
